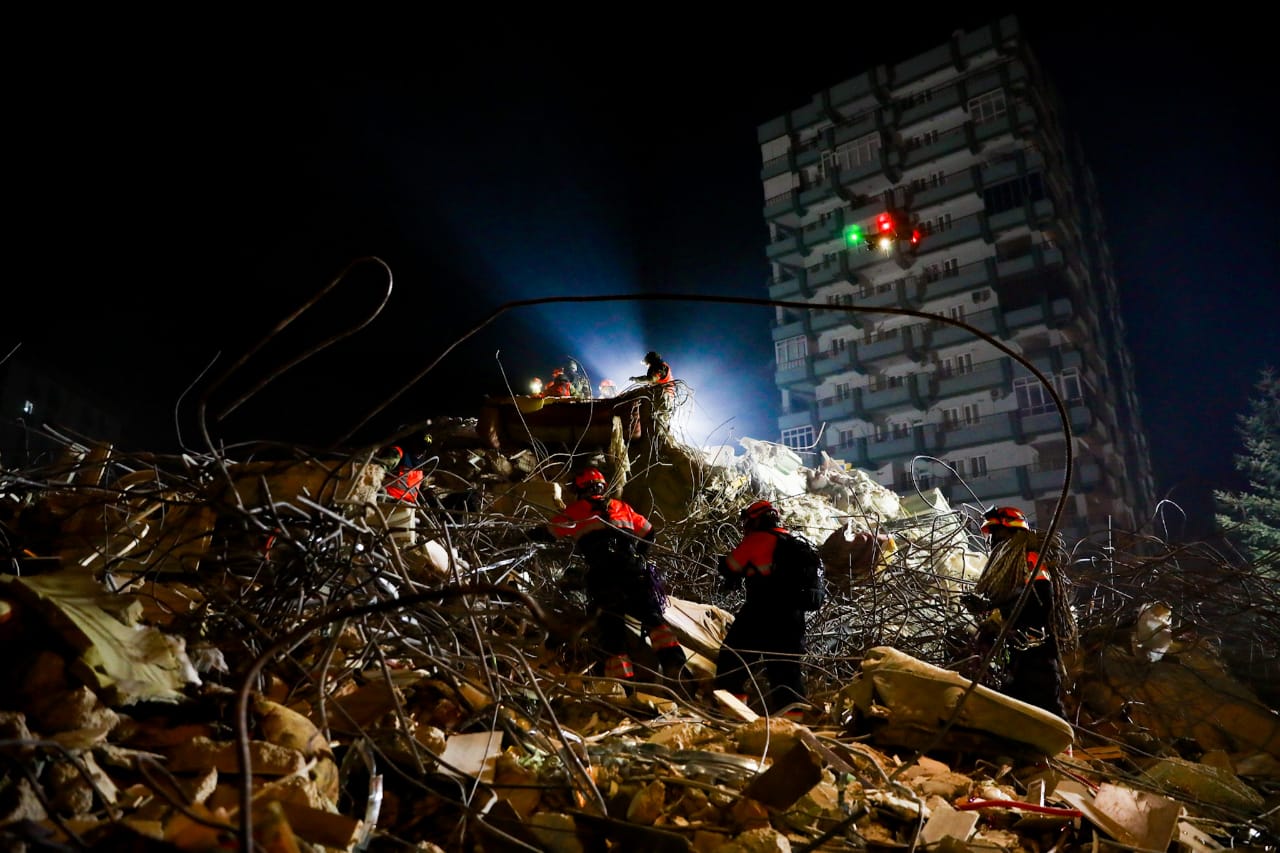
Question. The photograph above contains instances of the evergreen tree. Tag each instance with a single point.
(1252, 517)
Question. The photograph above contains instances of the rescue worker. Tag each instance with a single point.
(614, 540)
(402, 485)
(770, 625)
(403, 479)
(579, 384)
(658, 373)
(559, 386)
(608, 390)
(535, 387)
(1023, 585)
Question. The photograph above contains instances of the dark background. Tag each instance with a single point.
(177, 189)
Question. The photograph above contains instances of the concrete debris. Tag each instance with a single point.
(422, 676)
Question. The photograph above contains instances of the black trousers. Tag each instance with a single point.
(619, 591)
(764, 633)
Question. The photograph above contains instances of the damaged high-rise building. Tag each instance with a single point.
(959, 159)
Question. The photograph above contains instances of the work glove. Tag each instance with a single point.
(975, 603)
(729, 579)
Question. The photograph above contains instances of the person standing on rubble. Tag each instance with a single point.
(770, 625)
(559, 386)
(579, 384)
(614, 541)
(1024, 586)
(658, 373)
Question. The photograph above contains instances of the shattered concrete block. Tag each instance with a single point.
(764, 839)
(647, 804)
(789, 779)
(557, 832)
(946, 822)
(768, 736)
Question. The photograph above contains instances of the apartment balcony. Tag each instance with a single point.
(989, 487)
(991, 429)
(902, 341)
(1017, 120)
(793, 373)
(1054, 315)
(1048, 362)
(990, 374)
(956, 185)
(1034, 216)
(791, 420)
(1030, 426)
(835, 408)
(962, 230)
(918, 440)
(1039, 258)
(790, 329)
(937, 334)
(790, 288)
(787, 246)
(943, 100)
(967, 277)
(1086, 476)
(948, 142)
(855, 454)
(825, 317)
(829, 363)
(866, 400)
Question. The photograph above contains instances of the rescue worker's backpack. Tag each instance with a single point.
(796, 560)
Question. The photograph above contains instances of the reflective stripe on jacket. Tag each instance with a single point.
(582, 518)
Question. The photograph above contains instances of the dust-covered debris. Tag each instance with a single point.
(205, 633)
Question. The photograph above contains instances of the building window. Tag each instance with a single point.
(937, 179)
(791, 352)
(798, 438)
(839, 345)
(950, 267)
(1034, 400)
(942, 223)
(978, 466)
(920, 140)
(987, 107)
(956, 312)
(843, 391)
(845, 439)
(864, 149)
(881, 432)
(955, 365)
(1013, 193)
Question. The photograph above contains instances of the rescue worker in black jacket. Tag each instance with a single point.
(1040, 623)
(614, 540)
(770, 625)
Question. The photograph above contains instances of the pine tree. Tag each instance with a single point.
(1252, 517)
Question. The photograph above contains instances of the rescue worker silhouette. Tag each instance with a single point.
(769, 627)
(579, 384)
(614, 541)
(1024, 586)
(608, 389)
(559, 386)
(658, 373)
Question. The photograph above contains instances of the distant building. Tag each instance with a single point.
(33, 396)
(962, 146)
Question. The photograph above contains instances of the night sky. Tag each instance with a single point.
(174, 197)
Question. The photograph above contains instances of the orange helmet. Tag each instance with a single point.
(1004, 516)
(590, 482)
(760, 515)
(556, 372)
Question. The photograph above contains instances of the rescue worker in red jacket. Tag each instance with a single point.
(658, 373)
(614, 540)
(403, 480)
(559, 386)
(770, 625)
(1023, 585)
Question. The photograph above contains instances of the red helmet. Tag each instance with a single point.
(1004, 516)
(556, 372)
(590, 482)
(759, 516)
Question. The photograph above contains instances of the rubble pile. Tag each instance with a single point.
(207, 648)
